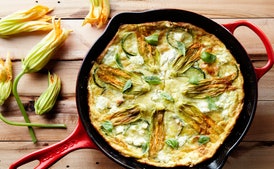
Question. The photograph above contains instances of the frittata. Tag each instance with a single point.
(165, 93)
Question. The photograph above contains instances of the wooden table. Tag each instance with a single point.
(255, 151)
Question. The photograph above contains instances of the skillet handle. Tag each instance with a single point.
(269, 51)
(49, 155)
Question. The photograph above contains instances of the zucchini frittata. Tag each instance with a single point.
(165, 93)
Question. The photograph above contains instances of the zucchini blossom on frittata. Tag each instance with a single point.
(183, 62)
(42, 52)
(34, 19)
(5, 79)
(48, 98)
(126, 82)
(98, 13)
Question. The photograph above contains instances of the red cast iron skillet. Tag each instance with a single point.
(86, 136)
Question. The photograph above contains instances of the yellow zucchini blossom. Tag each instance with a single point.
(34, 19)
(47, 99)
(98, 13)
(5, 79)
(42, 52)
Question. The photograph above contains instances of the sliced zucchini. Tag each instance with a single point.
(228, 69)
(179, 39)
(195, 75)
(129, 44)
(118, 61)
(175, 126)
(96, 80)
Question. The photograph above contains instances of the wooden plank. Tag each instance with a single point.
(247, 155)
(67, 70)
(64, 112)
(76, 46)
(210, 8)
(261, 128)
(252, 155)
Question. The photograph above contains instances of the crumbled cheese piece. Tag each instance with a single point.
(129, 140)
(137, 60)
(101, 103)
(202, 105)
(178, 36)
(144, 125)
(120, 129)
(182, 140)
(138, 141)
(223, 58)
(156, 95)
(168, 57)
(163, 156)
(225, 100)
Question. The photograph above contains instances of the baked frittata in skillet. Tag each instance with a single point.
(165, 93)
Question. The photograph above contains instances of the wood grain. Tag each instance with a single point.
(256, 151)
(209, 8)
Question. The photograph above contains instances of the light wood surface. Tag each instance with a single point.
(256, 151)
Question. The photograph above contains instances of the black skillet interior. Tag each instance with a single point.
(247, 69)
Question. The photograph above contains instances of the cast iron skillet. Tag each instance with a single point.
(86, 136)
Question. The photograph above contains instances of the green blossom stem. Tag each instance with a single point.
(31, 124)
(24, 113)
(21, 106)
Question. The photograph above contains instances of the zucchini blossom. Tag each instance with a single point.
(211, 87)
(5, 79)
(126, 115)
(48, 98)
(42, 52)
(34, 19)
(130, 83)
(98, 13)
(183, 62)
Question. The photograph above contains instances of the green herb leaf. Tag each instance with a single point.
(107, 126)
(181, 48)
(208, 57)
(152, 80)
(127, 86)
(152, 39)
(203, 139)
(167, 96)
(144, 147)
(211, 103)
(173, 143)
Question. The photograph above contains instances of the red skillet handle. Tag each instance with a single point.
(270, 54)
(49, 155)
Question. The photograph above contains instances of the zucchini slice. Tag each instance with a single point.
(129, 44)
(228, 69)
(195, 75)
(96, 80)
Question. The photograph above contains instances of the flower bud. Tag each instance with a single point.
(98, 13)
(48, 98)
(42, 52)
(5, 79)
(34, 19)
